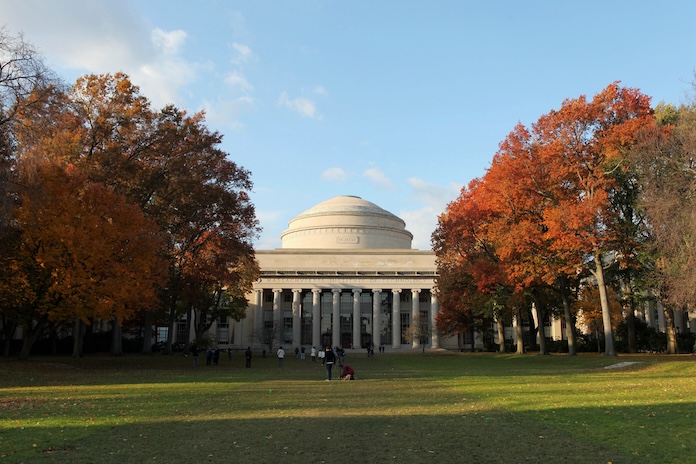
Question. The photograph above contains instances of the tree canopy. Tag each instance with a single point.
(116, 209)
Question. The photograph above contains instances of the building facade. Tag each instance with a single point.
(345, 276)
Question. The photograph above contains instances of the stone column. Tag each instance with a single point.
(316, 318)
(258, 311)
(278, 314)
(434, 309)
(356, 318)
(415, 316)
(296, 319)
(336, 323)
(396, 318)
(376, 319)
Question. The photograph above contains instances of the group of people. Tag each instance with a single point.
(212, 355)
(329, 356)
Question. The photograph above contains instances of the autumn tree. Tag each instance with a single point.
(169, 164)
(84, 253)
(518, 187)
(24, 80)
(590, 315)
(201, 201)
(166, 165)
(470, 278)
(668, 187)
(548, 192)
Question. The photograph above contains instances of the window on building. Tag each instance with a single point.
(405, 324)
(182, 331)
(306, 309)
(287, 326)
(162, 332)
(223, 331)
(424, 296)
(326, 309)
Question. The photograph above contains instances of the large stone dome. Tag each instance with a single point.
(347, 222)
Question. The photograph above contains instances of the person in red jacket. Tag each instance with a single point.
(347, 373)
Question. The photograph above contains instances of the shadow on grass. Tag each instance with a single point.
(492, 437)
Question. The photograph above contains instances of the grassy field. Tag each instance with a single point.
(405, 408)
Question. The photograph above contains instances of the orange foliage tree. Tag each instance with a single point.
(547, 194)
(84, 253)
(167, 167)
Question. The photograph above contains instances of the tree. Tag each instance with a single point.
(419, 330)
(168, 165)
(469, 271)
(269, 336)
(84, 253)
(204, 208)
(546, 199)
(24, 82)
(589, 309)
(667, 177)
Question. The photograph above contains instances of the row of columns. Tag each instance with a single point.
(336, 329)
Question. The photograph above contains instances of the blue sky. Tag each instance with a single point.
(399, 102)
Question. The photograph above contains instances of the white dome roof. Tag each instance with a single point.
(346, 222)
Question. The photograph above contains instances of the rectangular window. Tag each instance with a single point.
(405, 324)
(306, 309)
(287, 326)
(326, 310)
(223, 331)
(424, 296)
(162, 332)
(181, 331)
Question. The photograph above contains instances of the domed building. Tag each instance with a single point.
(346, 275)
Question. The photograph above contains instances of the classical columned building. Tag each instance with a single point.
(346, 275)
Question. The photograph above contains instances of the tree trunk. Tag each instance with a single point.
(29, 337)
(672, 347)
(116, 338)
(8, 330)
(540, 315)
(170, 332)
(532, 330)
(518, 331)
(630, 310)
(147, 333)
(78, 330)
(569, 319)
(460, 341)
(501, 334)
(604, 300)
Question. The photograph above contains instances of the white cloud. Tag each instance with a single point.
(224, 113)
(170, 42)
(422, 222)
(321, 90)
(301, 105)
(378, 178)
(434, 195)
(237, 80)
(84, 36)
(335, 174)
(242, 53)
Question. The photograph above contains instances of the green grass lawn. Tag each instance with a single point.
(404, 408)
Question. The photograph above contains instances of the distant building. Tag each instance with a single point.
(345, 276)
